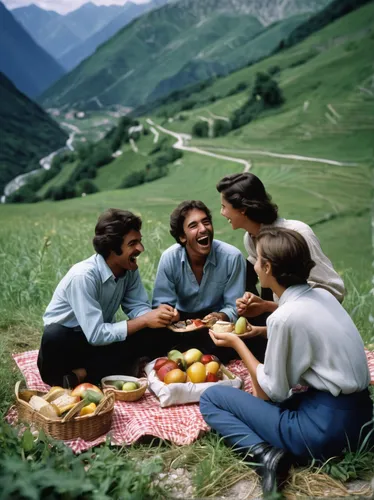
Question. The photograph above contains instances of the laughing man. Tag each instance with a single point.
(199, 276)
(81, 340)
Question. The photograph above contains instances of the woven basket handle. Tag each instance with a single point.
(16, 388)
(108, 396)
(73, 411)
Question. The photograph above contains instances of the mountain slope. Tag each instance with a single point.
(158, 45)
(47, 28)
(27, 133)
(29, 67)
(81, 51)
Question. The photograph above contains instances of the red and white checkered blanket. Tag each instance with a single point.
(178, 424)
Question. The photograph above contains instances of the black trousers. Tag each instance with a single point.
(64, 349)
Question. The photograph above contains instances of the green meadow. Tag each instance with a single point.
(326, 123)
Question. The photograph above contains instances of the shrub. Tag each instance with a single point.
(133, 179)
(200, 129)
(221, 127)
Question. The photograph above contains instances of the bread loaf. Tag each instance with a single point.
(223, 327)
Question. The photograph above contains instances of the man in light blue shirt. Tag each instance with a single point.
(199, 276)
(81, 340)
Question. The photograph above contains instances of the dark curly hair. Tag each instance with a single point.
(179, 214)
(112, 226)
(288, 253)
(246, 191)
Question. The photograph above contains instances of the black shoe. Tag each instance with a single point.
(70, 381)
(274, 465)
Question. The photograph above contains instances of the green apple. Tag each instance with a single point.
(129, 386)
(241, 326)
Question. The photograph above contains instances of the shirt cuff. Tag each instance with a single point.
(135, 313)
(119, 331)
(230, 313)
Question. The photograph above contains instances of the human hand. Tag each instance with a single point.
(250, 305)
(160, 317)
(254, 331)
(219, 316)
(224, 339)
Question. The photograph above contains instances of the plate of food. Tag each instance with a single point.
(191, 325)
(241, 327)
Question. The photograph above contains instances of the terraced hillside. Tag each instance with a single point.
(179, 44)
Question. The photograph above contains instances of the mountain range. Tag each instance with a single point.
(178, 44)
(72, 37)
(22, 60)
(27, 133)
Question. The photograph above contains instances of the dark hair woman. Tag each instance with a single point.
(247, 205)
(314, 343)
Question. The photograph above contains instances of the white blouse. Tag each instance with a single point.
(312, 342)
(323, 275)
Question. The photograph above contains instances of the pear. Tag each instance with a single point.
(178, 357)
(241, 326)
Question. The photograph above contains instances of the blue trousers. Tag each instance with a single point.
(310, 424)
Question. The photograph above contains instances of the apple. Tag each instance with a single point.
(129, 386)
(175, 376)
(211, 377)
(165, 368)
(207, 358)
(159, 363)
(81, 388)
(196, 372)
(241, 326)
(192, 355)
(212, 367)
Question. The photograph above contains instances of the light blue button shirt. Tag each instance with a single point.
(89, 296)
(223, 280)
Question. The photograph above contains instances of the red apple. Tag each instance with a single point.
(207, 358)
(211, 377)
(159, 363)
(165, 368)
(81, 388)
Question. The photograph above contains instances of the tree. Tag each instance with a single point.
(200, 129)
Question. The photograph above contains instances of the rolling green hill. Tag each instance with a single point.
(314, 154)
(27, 133)
(178, 44)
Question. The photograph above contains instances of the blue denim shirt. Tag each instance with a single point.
(223, 280)
(89, 296)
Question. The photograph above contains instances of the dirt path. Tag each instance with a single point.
(182, 139)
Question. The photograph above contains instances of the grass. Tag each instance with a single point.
(39, 243)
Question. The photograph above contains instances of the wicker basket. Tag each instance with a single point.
(87, 427)
(125, 395)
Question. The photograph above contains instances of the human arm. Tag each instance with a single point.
(251, 305)
(83, 296)
(157, 318)
(135, 301)
(323, 274)
(164, 290)
(251, 363)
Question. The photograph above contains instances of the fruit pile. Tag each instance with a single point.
(58, 401)
(190, 366)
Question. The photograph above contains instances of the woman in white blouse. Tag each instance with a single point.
(247, 205)
(312, 343)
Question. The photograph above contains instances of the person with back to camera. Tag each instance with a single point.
(246, 205)
(81, 340)
(314, 343)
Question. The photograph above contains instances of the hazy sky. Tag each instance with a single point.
(63, 6)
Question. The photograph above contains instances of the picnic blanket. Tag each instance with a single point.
(179, 424)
